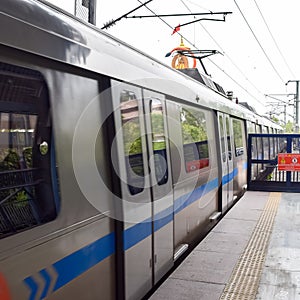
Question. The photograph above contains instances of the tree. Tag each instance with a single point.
(288, 127)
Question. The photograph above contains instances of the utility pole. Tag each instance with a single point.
(296, 104)
(284, 114)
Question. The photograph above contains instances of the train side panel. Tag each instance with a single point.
(68, 251)
(58, 154)
(195, 172)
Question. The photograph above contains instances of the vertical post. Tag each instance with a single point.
(297, 106)
(86, 10)
(289, 150)
(92, 12)
(285, 114)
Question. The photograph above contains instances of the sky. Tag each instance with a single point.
(259, 42)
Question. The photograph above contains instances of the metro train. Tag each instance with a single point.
(112, 164)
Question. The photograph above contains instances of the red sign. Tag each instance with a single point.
(288, 162)
(196, 164)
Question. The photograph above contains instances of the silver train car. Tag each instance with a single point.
(112, 164)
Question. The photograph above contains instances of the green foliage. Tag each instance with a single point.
(27, 152)
(157, 123)
(10, 161)
(132, 137)
(21, 199)
(158, 133)
(288, 127)
(275, 120)
(159, 145)
(193, 126)
(237, 133)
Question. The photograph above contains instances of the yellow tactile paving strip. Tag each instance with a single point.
(245, 278)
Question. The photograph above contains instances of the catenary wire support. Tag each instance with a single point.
(195, 54)
(113, 22)
(225, 13)
(206, 53)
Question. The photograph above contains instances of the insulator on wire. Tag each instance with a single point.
(109, 24)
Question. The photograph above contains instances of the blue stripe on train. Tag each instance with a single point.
(186, 200)
(73, 265)
(137, 233)
(229, 177)
(82, 260)
(140, 231)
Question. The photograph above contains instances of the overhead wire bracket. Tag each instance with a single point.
(113, 22)
(224, 13)
(195, 54)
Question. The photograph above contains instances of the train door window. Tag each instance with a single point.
(194, 137)
(228, 139)
(26, 152)
(158, 141)
(221, 125)
(132, 142)
(250, 127)
(266, 143)
(259, 142)
(272, 148)
(238, 137)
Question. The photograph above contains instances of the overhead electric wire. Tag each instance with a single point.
(260, 45)
(282, 56)
(194, 18)
(187, 6)
(156, 15)
(229, 58)
(279, 100)
(231, 61)
(198, 5)
(237, 83)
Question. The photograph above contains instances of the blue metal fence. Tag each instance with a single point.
(263, 173)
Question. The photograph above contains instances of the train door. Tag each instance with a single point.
(145, 176)
(225, 133)
(161, 183)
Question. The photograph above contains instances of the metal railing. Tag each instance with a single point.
(265, 171)
(17, 200)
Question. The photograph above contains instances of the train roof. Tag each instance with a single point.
(47, 31)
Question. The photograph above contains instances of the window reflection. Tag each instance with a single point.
(194, 135)
(238, 137)
(159, 142)
(132, 142)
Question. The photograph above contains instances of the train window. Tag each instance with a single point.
(222, 138)
(26, 152)
(272, 144)
(194, 135)
(132, 142)
(259, 142)
(228, 139)
(266, 143)
(250, 127)
(238, 137)
(159, 142)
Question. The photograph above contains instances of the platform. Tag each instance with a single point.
(252, 253)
